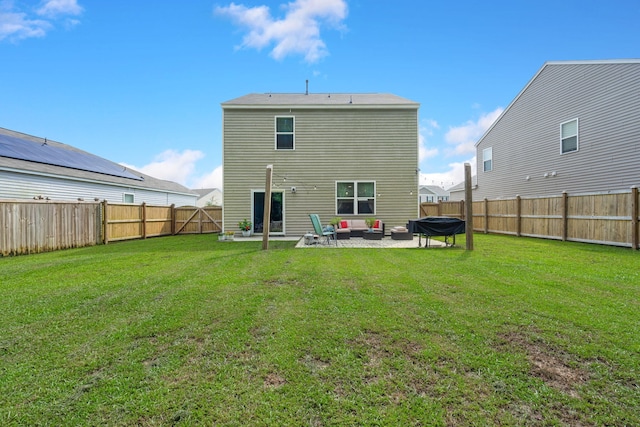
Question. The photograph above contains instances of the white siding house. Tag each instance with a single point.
(575, 127)
(32, 167)
(209, 197)
(346, 155)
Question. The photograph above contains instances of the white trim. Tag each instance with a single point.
(284, 216)
(275, 132)
(355, 195)
(577, 136)
(484, 159)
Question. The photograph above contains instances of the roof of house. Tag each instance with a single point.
(40, 156)
(460, 186)
(439, 191)
(205, 191)
(336, 100)
(603, 62)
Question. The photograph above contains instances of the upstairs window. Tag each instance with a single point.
(569, 136)
(285, 133)
(356, 198)
(487, 159)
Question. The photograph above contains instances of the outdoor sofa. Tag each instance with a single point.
(356, 228)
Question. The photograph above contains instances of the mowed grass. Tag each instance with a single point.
(191, 331)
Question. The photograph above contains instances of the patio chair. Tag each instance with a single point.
(317, 228)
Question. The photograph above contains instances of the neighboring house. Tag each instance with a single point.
(432, 194)
(32, 167)
(352, 156)
(575, 127)
(456, 193)
(208, 197)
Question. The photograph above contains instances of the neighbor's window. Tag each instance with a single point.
(127, 198)
(569, 136)
(487, 159)
(356, 198)
(284, 133)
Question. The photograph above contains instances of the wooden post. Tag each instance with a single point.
(468, 198)
(518, 215)
(173, 219)
(486, 216)
(565, 211)
(144, 219)
(105, 221)
(266, 218)
(462, 210)
(634, 217)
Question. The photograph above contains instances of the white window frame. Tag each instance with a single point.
(124, 197)
(487, 158)
(563, 137)
(355, 197)
(293, 133)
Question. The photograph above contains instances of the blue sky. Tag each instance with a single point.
(140, 83)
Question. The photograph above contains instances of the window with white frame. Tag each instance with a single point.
(487, 159)
(569, 136)
(355, 197)
(285, 131)
(128, 198)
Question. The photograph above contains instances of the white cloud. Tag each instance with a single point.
(426, 130)
(297, 33)
(19, 24)
(211, 180)
(54, 8)
(171, 165)
(448, 179)
(465, 137)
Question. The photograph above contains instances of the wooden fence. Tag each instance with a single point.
(609, 219)
(41, 226)
(126, 221)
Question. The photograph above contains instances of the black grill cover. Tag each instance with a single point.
(437, 226)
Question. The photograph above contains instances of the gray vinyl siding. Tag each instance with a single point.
(603, 96)
(17, 185)
(358, 144)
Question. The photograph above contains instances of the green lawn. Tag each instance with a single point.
(191, 331)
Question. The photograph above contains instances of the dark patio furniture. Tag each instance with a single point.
(436, 226)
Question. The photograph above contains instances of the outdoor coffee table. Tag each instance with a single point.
(372, 235)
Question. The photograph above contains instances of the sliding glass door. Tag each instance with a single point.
(277, 212)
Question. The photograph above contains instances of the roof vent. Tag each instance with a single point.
(306, 92)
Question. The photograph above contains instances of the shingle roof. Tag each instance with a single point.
(343, 100)
(147, 182)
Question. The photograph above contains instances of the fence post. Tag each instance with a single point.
(173, 219)
(518, 215)
(105, 221)
(143, 207)
(486, 216)
(565, 211)
(461, 210)
(634, 217)
(439, 207)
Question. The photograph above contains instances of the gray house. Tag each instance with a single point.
(432, 194)
(574, 127)
(347, 155)
(32, 167)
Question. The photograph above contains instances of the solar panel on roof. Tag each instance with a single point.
(23, 149)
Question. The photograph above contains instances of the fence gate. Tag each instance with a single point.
(193, 220)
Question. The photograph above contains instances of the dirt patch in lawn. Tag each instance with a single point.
(552, 365)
